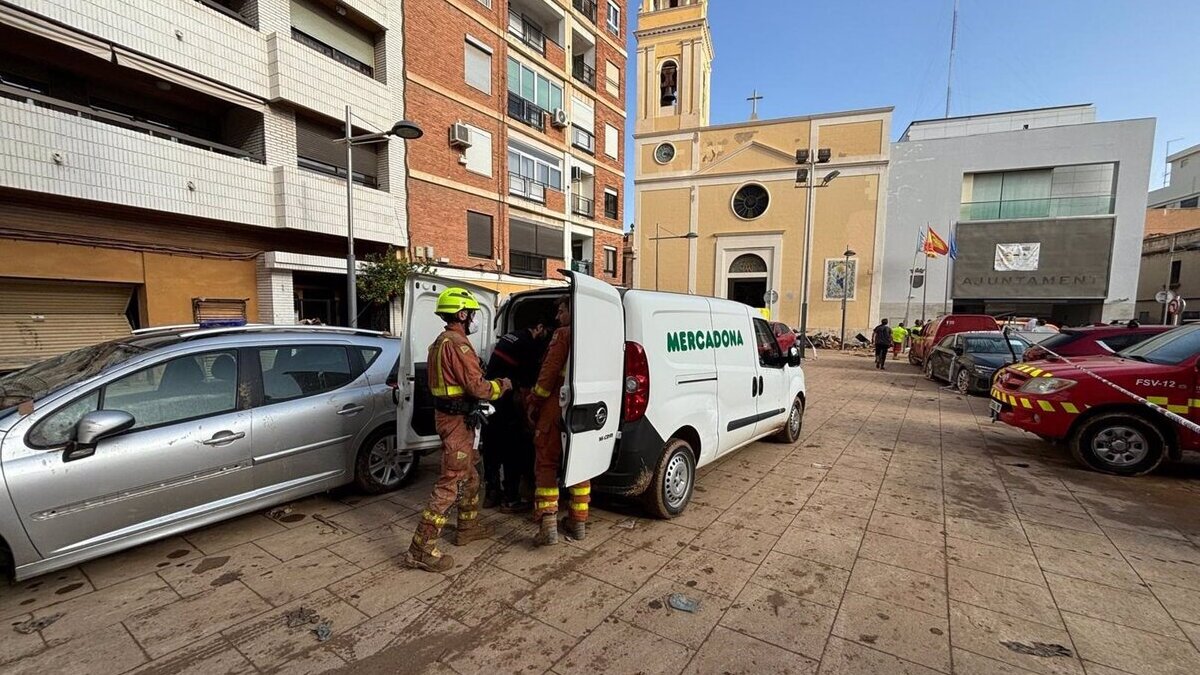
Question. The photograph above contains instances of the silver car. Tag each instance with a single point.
(121, 443)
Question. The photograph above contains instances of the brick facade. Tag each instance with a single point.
(442, 189)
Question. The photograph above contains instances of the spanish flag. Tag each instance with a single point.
(935, 245)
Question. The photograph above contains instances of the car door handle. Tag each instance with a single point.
(753, 387)
(224, 438)
(761, 386)
(351, 409)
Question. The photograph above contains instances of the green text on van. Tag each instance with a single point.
(688, 340)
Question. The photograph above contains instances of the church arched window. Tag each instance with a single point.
(668, 83)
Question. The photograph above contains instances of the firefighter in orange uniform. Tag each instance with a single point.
(457, 383)
(546, 414)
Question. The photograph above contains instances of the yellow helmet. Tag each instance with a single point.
(453, 300)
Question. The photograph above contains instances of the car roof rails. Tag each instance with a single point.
(272, 328)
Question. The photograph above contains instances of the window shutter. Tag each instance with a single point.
(479, 155)
(612, 141)
(478, 67)
(522, 237)
(479, 235)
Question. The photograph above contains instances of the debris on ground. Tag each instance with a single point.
(627, 524)
(279, 512)
(35, 625)
(683, 603)
(324, 631)
(818, 465)
(1037, 648)
(301, 616)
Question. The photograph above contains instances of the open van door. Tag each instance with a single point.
(596, 378)
(414, 415)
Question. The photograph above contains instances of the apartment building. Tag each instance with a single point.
(164, 161)
(521, 170)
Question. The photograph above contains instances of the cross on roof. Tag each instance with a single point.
(754, 99)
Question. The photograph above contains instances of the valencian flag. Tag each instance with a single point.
(935, 245)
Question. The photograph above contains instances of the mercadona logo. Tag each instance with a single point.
(689, 340)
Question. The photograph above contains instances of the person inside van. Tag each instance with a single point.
(881, 337)
(545, 410)
(507, 440)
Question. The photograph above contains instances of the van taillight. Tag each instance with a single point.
(637, 382)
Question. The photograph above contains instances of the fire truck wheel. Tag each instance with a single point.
(1119, 443)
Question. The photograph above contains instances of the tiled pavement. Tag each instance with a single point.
(903, 534)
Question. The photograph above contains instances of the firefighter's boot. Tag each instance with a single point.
(423, 552)
(548, 533)
(471, 530)
(576, 529)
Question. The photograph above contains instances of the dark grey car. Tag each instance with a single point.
(129, 441)
(967, 361)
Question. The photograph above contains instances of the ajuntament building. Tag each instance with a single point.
(719, 211)
(1046, 207)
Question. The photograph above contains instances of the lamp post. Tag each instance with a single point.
(805, 177)
(657, 238)
(845, 289)
(404, 130)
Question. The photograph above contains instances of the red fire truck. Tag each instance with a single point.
(1121, 414)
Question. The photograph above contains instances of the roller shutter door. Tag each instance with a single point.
(40, 319)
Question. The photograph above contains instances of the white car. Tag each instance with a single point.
(659, 384)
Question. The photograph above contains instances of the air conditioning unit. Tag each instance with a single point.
(460, 136)
(560, 119)
(428, 253)
(576, 173)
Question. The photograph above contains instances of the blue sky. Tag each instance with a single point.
(1132, 58)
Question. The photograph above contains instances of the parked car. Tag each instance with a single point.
(1092, 341)
(936, 330)
(783, 334)
(1105, 428)
(968, 360)
(128, 441)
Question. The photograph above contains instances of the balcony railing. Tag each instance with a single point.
(526, 264)
(583, 139)
(526, 187)
(225, 7)
(1049, 207)
(583, 267)
(332, 52)
(583, 72)
(587, 8)
(526, 111)
(526, 31)
(123, 121)
(583, 206)
(317, 166)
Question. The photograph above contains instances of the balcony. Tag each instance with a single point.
(586, 8)
(583, 267)
(583, 206)
(526, 187)
(230, 8)
(527, 31)
(526, 112)
(583, 139)
(583, 72)
(1049, 207)
(332, 52)
(526, 265)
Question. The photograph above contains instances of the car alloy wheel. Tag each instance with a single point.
(963, 381)
(385, 462)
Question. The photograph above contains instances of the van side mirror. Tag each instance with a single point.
(793, 357)
(93, 428)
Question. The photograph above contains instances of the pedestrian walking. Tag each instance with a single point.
(899, 335)
(881, 337)
(457, 383)
(507, 439)
(547, 439)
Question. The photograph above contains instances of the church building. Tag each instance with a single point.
(721, 209)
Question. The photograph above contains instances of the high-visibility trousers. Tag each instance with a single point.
(547, 444)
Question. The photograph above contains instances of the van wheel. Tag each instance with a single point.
(378, 467)
(1118, 443)
(674, 479)
(790, 433)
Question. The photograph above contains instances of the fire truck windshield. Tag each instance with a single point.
(1169, 348)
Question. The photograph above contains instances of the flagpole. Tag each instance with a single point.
(912, 272)
(949, 269)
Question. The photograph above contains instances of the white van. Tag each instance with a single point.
(659, 383)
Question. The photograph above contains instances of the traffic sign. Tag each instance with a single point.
(1163, 297)
(771, 297)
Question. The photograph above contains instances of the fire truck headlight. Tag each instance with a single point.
(1046, 385)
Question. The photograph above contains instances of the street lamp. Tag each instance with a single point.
(657, 238)
(805, 177)
(845, 288)
(404, 130)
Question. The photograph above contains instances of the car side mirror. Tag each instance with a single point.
(793, 357)
(958, 351)
(93, 428)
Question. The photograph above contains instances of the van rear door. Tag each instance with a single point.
(596, 378)
(414, 415)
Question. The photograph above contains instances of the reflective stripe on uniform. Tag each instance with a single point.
(467, 515)
(495, 390)
(453, 391)
(546, 492)
(431, 517)
(579, 507)
(545, 505)
(537, 389)
(440, 389)
(580, 491)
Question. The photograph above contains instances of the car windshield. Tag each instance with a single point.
(52, 374)
(1171, 347)
(993, 345)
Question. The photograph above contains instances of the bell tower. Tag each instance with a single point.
(674, 61)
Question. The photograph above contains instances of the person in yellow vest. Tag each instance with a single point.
(457, 383)
(899, 335)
